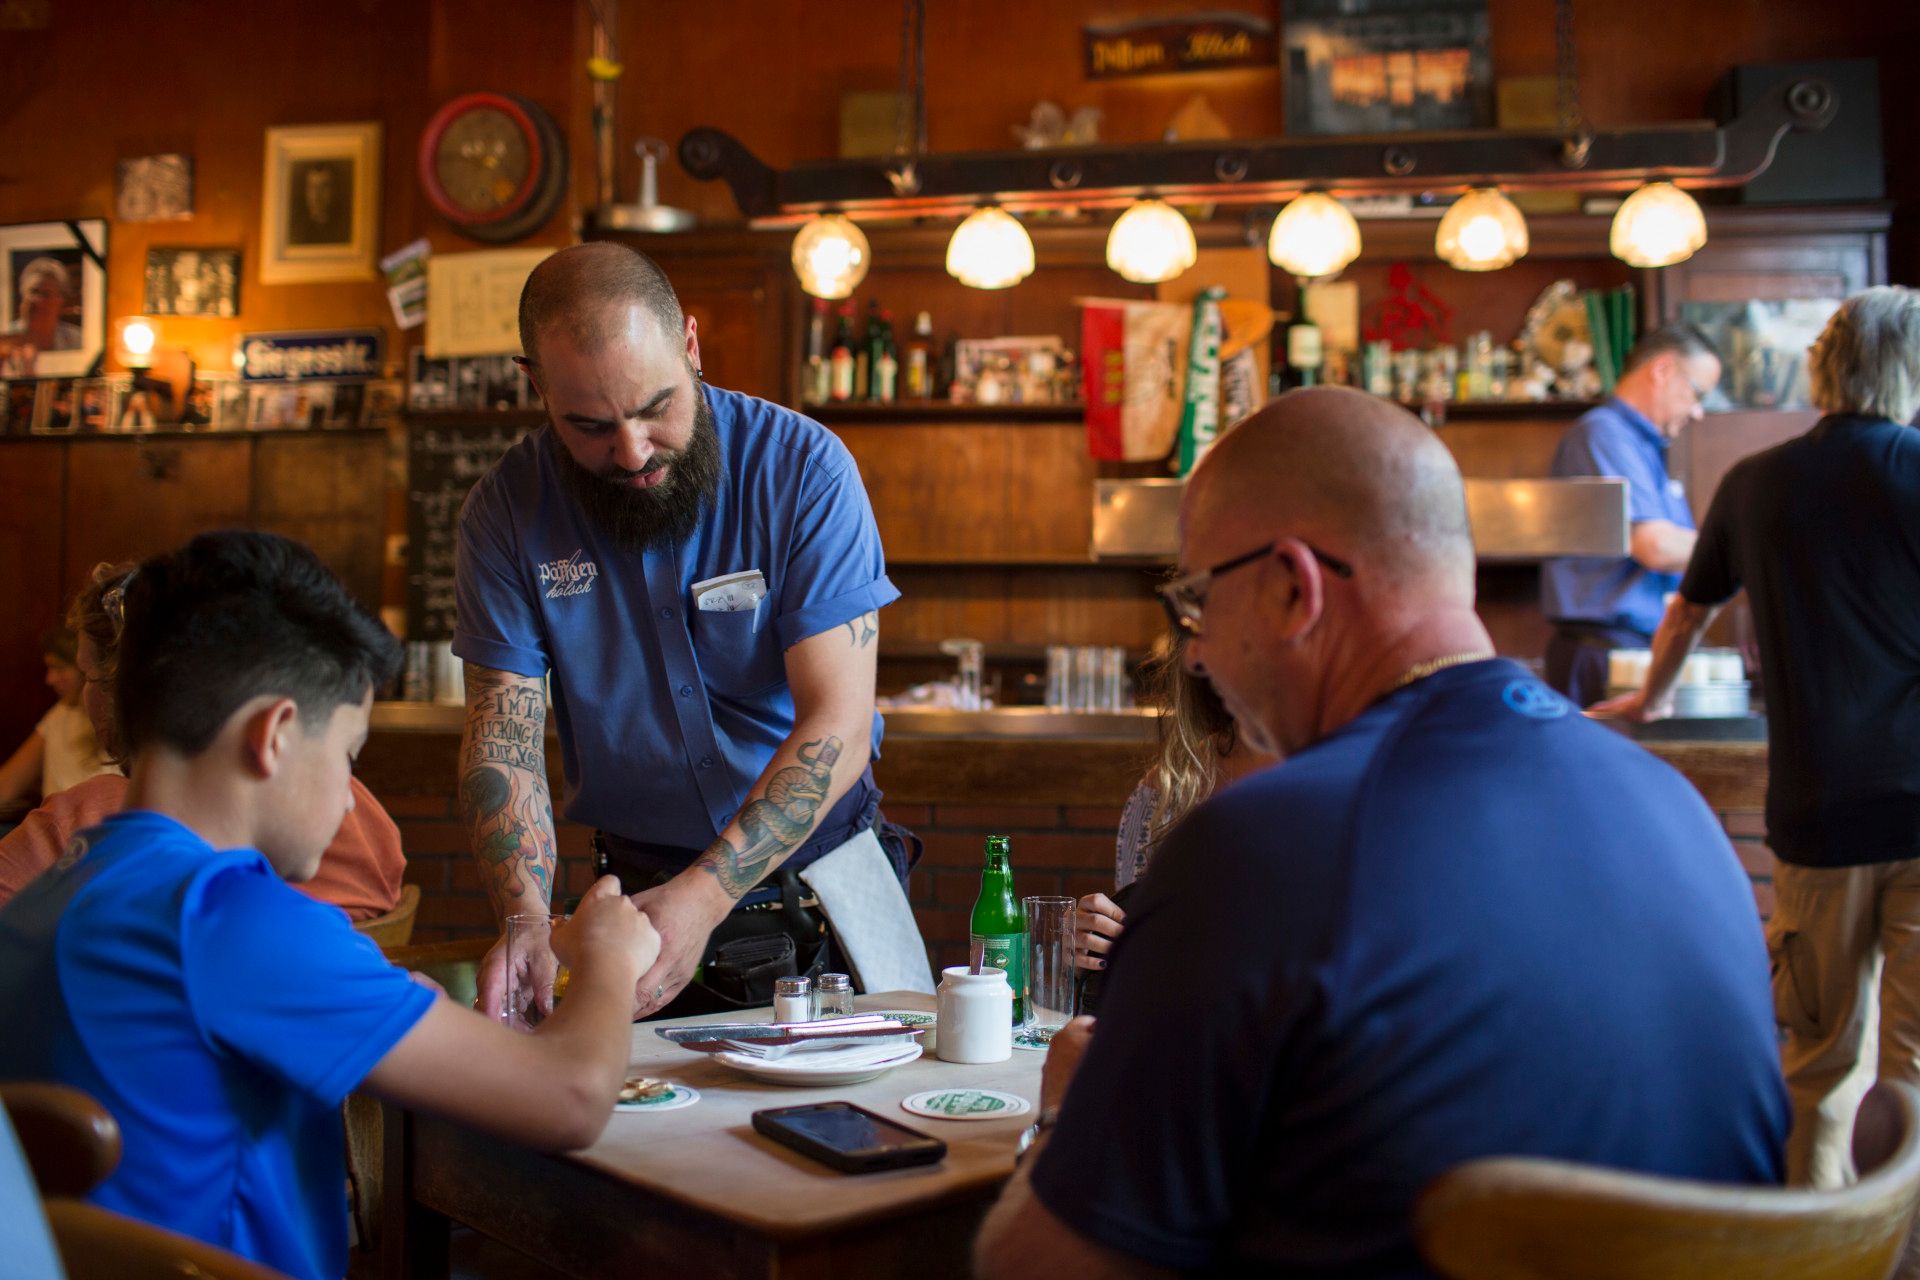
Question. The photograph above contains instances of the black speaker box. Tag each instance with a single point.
(1841, 162)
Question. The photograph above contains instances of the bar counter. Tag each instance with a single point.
(1055, 783)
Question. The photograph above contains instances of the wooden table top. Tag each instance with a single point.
(708, 1155)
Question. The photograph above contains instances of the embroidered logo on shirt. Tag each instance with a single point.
(570, 576)
(1531, 698)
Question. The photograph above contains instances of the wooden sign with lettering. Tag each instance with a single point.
(1168, 46)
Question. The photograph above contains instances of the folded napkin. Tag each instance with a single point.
(823, 1058)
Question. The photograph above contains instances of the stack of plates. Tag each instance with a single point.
(823, 1068)
(1713, 700)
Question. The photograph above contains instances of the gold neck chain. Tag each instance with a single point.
(1421, 670)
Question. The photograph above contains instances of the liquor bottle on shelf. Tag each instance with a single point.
(944, 387)
(1305, 351)
(917, 370)
(886, 363)
(841, 359)
(815, 374)
(863, 353)
(999, 924)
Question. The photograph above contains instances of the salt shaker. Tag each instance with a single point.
(974, 1016)
(833, 996)
(793, 1000)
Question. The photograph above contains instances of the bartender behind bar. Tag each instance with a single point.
(1596, 604)
(701, 574)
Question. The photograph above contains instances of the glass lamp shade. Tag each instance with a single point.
(1483, 231)
(1314, 236)
(1151, 242)
(830, 255)
(134, 338)
(1657, 226)
(990, 250)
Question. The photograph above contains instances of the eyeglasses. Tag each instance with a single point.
(1185, 598)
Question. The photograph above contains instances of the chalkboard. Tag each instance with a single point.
(446, 454)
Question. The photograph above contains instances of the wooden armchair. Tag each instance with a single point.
(395, 928)
(1511, 1218)
(71, 1142)
(98, 1244)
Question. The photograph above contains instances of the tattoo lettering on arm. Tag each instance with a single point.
(862, 630)
(503, 787)
(778, 822)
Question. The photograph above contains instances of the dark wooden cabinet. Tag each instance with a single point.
(68, 504)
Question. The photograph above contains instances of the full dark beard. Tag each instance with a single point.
(636, 519)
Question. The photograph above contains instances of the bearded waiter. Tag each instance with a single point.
(699, 574)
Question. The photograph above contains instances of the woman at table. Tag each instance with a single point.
(61, 750)
(1200, 752)
(360, 872)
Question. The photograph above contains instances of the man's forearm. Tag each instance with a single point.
(1680, 629)
(808, 774)
(503, 790)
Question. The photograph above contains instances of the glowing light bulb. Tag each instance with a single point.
(1483, 231)
(1151, 242)
(830, 255)
(990, 250)
(1314, 236)
(1657, 226)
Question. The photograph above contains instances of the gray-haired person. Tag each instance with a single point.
(1823, 532)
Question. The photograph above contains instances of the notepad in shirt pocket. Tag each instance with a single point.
(730, 592)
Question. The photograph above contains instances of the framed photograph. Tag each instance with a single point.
(1385, 66)
(349, 401)
(272, 404)
(312, 404)
(53, 298)
(385, 397)
(202, 409)
(21, 395)
(57, 400)
(430, 381)
(229, 404)
(193, 282)
(154, 189)
(321, 212)
(93, 411)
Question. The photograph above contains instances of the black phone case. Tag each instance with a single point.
(768, 1123)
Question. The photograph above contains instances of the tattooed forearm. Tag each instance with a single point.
(503, 788)
(863, 629)
(778, 822)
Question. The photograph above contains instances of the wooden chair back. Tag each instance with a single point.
(1513, 1218)
(71, 1142)
(98, 1244)
(395, 928)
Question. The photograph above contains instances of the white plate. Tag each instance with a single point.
(804, 1075)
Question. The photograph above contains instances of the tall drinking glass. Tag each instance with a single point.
(535, 978)
(1050, 971)
(1059, 677)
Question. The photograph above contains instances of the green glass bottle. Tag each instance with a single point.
(1000, 922)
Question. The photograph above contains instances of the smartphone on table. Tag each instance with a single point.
(848, 1138)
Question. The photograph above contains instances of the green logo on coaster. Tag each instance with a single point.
(965, 1102)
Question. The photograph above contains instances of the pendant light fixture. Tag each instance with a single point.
(1314, 236)
(1483, 231)
(830, 255)
(1151, 242)
(1657, 226)
(990, 250)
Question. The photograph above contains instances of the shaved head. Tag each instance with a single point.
(1364, 477)
(585, 292)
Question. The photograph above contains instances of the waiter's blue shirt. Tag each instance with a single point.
(668, 714)
(1616, 439)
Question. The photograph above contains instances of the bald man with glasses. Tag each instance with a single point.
(1461, 919)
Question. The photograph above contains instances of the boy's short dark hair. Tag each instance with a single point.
(229, 617)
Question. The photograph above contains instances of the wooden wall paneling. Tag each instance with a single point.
(328, 491)
(1770, 255)
(941, 602)
(1047, 507)
(1110, 604)
(128, 500)
(1707, 449)
(741, 315)
(32, 475)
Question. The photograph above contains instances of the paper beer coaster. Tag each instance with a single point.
(1027, 1040)
(966, 1104)
(908, 1017)
(676, 1097)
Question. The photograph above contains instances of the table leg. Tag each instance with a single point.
(414, 1239)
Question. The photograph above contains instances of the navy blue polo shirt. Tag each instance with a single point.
(668, 714)
(1616, 439)
(1469, 922)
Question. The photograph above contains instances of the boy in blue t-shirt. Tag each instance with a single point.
(165, 966)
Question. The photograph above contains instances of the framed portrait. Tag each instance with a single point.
(319, 218)
(229, 404)
(22, 394)
(193, 282)
(154, 188)
(1384, 66)
(53, 298)
(58, 400)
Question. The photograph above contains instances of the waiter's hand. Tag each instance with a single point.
(684, 909)
(537, 973)
(1633, 708)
